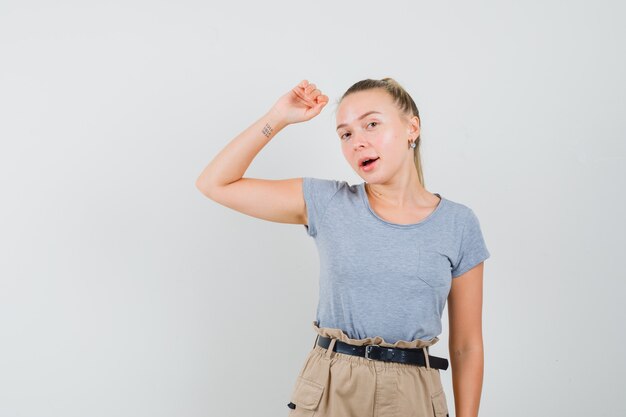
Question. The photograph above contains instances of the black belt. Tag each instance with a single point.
(382, 353)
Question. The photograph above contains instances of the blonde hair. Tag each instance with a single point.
(403, 101)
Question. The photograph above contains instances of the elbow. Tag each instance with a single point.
(465, 348)
(203, 188)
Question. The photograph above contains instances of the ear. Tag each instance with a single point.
(414, 127)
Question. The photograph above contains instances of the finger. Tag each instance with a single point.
(320, 101)
(317, 109)
(309, 88)
(305, 102)
(322, 98)
(299, 91)
(315, 93)
(302, 96)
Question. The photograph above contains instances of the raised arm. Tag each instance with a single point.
(275, 200)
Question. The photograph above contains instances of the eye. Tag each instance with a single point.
(342, 137)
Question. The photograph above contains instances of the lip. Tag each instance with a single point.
(365, 158)
(370, 166)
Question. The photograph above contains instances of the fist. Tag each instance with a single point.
(302, 103)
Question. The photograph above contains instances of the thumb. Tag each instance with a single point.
(315, 110)
(322, 100)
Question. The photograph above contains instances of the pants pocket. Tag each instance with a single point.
(305, 397)
(440, 405)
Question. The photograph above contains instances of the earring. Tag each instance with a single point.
(413, 145)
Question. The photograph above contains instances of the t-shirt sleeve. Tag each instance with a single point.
(473, 248)
(317, 195)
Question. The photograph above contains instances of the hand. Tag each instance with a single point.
(300, 104)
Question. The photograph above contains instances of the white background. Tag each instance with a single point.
(125, 292)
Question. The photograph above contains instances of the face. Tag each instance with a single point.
(371, 126)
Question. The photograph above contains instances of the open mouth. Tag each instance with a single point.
(368, 161)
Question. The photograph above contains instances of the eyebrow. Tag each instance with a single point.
(361, 117)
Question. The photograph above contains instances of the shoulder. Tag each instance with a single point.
(461, 219)
(320, 194)
(326, 187)
(458, 211)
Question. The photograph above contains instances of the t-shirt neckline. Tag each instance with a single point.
(404, 226)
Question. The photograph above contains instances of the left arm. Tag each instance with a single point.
(466, 340)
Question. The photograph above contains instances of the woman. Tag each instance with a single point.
(391, 255)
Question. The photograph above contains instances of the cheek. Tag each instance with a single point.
(346, 154)
(391, 144)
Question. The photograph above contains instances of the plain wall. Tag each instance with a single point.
(126, 292)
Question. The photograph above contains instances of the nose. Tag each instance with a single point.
(358, 140)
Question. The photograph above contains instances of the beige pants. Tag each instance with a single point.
(332, 384)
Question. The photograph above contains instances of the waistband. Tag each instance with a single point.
(417, 356)
(377, 340)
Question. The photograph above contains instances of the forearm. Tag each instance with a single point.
(230, 164)
(467, 380)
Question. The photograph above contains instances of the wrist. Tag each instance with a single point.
(275, 119)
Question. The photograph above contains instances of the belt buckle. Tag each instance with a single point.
(367, 351)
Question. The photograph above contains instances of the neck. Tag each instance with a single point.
(401, 195)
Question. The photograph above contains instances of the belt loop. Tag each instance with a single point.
(329, 351)
(316, 338)
(425, 349)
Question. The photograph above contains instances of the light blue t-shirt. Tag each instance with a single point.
(385, 279)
